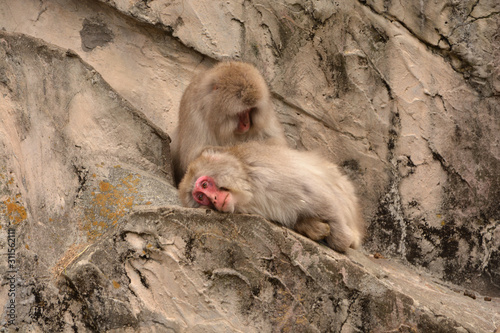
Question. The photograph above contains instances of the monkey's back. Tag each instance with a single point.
(304, 182)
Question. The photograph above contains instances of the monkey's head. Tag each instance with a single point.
(240, 100)
(217, 180)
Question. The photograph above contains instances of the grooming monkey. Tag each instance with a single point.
(225, 105)
(298, 189)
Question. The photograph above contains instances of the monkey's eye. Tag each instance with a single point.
(204, 185)
(201, 198)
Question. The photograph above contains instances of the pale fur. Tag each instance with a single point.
(282, 185)
(209, 108)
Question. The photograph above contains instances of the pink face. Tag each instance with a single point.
(244, 122)
(206, 193)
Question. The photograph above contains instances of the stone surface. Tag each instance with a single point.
(147, 66)
(75, 158)
(191, 270)
(405, 97)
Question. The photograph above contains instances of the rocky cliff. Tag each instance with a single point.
(404, 97)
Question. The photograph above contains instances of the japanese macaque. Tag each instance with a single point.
(225, 105)
(298, 189)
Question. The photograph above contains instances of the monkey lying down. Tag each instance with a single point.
(298, 189)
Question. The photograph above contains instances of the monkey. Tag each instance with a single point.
(300, 190)
(225, 105)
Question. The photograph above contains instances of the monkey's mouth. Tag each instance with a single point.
(222, 207)
(244, 121)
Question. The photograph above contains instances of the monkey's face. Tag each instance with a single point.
(233, 117)
(206, 193)
(244, 121)
(236, 91)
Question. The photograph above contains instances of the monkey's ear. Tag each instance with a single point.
(210, 82)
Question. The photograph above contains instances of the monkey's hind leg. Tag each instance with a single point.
(313, 228)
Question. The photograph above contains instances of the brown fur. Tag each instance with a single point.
(312, 228)
(209, 108)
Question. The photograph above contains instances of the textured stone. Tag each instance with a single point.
(75, 158)
(405, 97)
(199, 271)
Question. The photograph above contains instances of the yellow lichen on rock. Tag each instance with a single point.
(108, 204)
(14, 210)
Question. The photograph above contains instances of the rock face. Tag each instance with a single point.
(405, 97)
(75, 159)
(174, 269)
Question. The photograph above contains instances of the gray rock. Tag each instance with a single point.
(191, 270)
(75, 159)
(404, 98)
